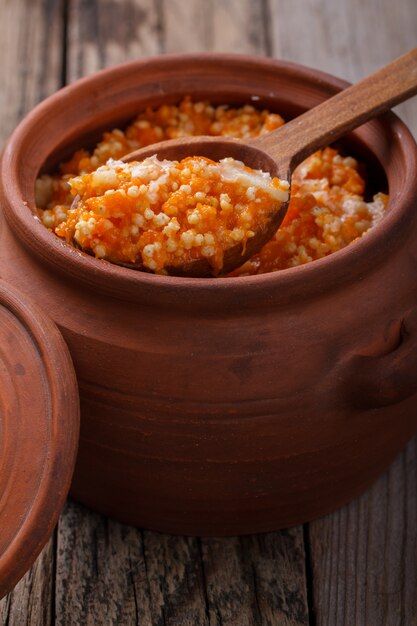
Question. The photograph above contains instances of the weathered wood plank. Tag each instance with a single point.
(32, 600)
(31, 68)
(364, 556)
(257, 579)
(348, 39)
(101, 572)
(132, 576)
(219, 25)
(31, 54)
(102, 33)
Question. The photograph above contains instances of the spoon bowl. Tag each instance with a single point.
(217, 148)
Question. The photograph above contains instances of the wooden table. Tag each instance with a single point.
(356, 567)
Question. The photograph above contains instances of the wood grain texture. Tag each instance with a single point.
(257, 579)
(32, 600)
(102, 33)
(348, 39)
(31, 53)
(132, 576)
(215, 26)
(364, 556)
(100, 571)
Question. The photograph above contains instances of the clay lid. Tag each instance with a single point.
(39, 426)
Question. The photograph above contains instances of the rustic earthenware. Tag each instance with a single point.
(230, 405)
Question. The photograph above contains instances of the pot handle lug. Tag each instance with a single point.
(380, 381)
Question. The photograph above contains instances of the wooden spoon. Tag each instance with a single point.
(280, 151)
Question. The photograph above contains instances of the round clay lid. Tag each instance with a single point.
(39, 427)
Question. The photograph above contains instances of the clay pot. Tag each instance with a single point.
(231, 405)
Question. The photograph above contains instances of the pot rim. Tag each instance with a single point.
(242, 292)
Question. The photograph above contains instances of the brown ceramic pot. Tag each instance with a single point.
(228, 405)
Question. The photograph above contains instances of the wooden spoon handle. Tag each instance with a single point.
(347, 110)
